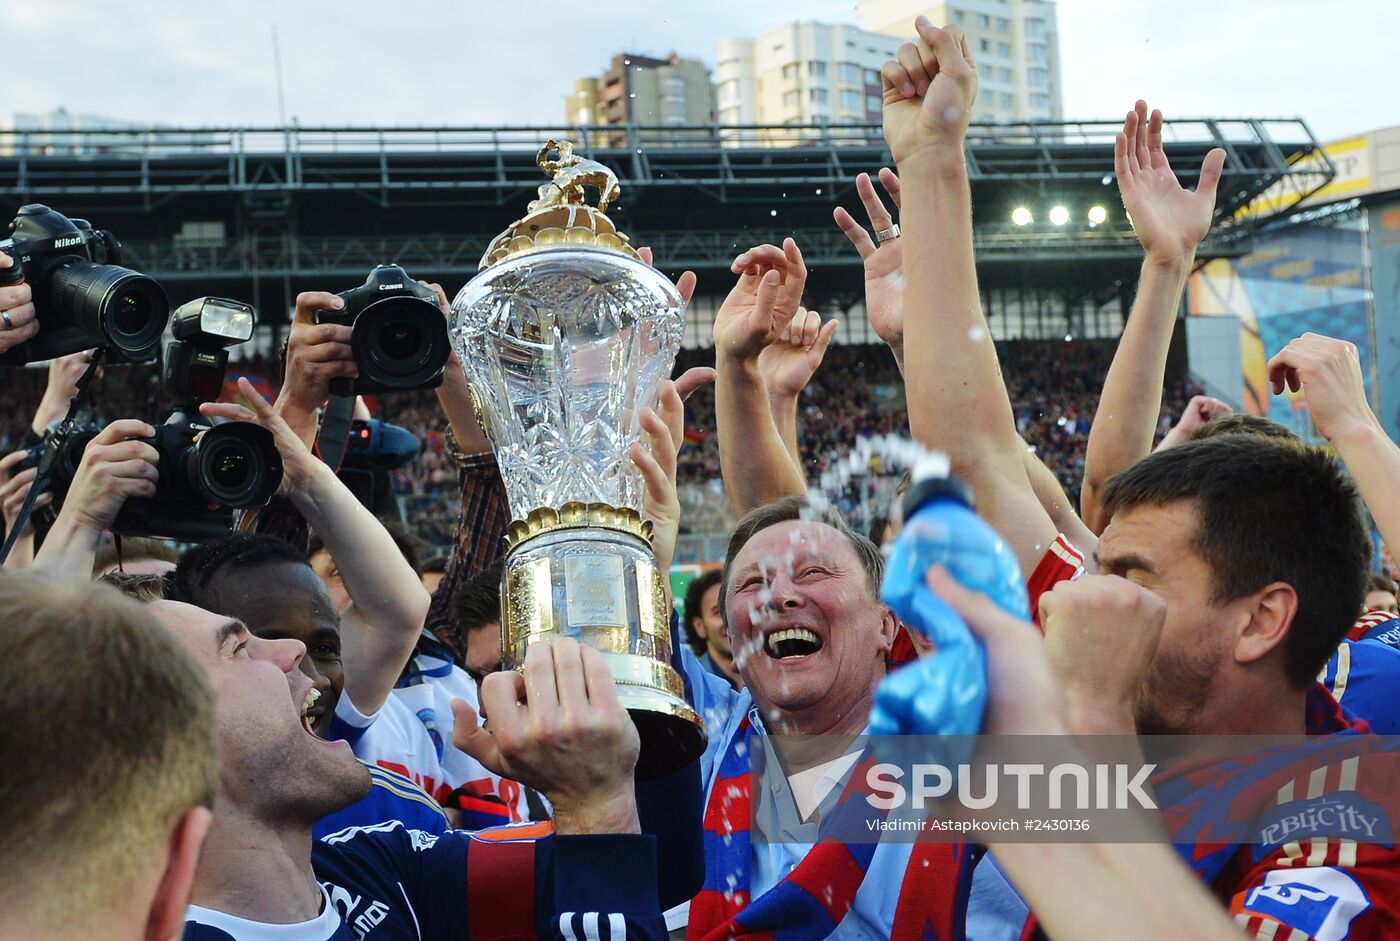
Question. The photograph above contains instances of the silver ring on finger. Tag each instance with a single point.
(5, 316)
(885, 235)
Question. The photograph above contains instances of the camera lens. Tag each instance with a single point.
(228, 469)
(236, 465)
(400, 340)
(400, 343)
(115, 305)
(130, 313)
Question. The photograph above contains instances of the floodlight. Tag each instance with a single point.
(1097, 215)
(1059, 215)
(1022, 216)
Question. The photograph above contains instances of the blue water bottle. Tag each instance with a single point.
(944, 693)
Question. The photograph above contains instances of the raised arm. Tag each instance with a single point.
(1170, 222)
(388, 603)
(957, 401)
(1328, 371)
(787, 365)
(14, 486)
(1198, 411)
(754, 461)
(64, 373)
(455, 397)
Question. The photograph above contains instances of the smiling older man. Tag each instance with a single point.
(811, 639)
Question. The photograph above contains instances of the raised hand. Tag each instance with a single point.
(929, 91)
(316, 354)
(884, 281)
(1201, 409)
(64, 373)
(664, 428)
(1328, 372)
(763, 302)
(685, 284)
(116, 466)
(14, 487)
(789, 362)
(299, 466)
(1170, 221)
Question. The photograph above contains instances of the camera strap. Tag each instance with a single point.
(334, 435)
(53, 445)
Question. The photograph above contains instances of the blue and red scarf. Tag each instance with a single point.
(809, 903)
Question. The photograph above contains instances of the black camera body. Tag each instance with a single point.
(206, 471)
(399, 336)
(65, 466)
(82, 295)
(232, 466)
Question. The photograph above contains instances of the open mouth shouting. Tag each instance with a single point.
(308, 717)
(791, 643)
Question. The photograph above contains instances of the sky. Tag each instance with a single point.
(486, 62)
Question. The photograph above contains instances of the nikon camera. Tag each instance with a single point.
(82, 295)
(399, 335)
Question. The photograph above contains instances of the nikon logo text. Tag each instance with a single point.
(68, 241)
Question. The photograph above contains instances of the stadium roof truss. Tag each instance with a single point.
(687, 191)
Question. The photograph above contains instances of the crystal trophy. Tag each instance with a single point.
(565, 336)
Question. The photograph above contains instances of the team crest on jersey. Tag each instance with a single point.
(1321, 902)
(421, 841)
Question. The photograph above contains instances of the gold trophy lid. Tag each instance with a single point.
(561, 215)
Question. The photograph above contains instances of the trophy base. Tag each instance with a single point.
(587, 572)
(671, 732)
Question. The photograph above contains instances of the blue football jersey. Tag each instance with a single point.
(391, 797)
(388, 883)
(1364, 676)
(1380, 626)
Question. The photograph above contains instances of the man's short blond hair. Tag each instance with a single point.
(108, 737)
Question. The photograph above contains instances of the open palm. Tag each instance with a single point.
(883, 261)
(1168, 218)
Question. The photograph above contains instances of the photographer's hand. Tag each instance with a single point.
(64, 373)
(316, 354)
(116, 466)
(19, 324)
(13, 489)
